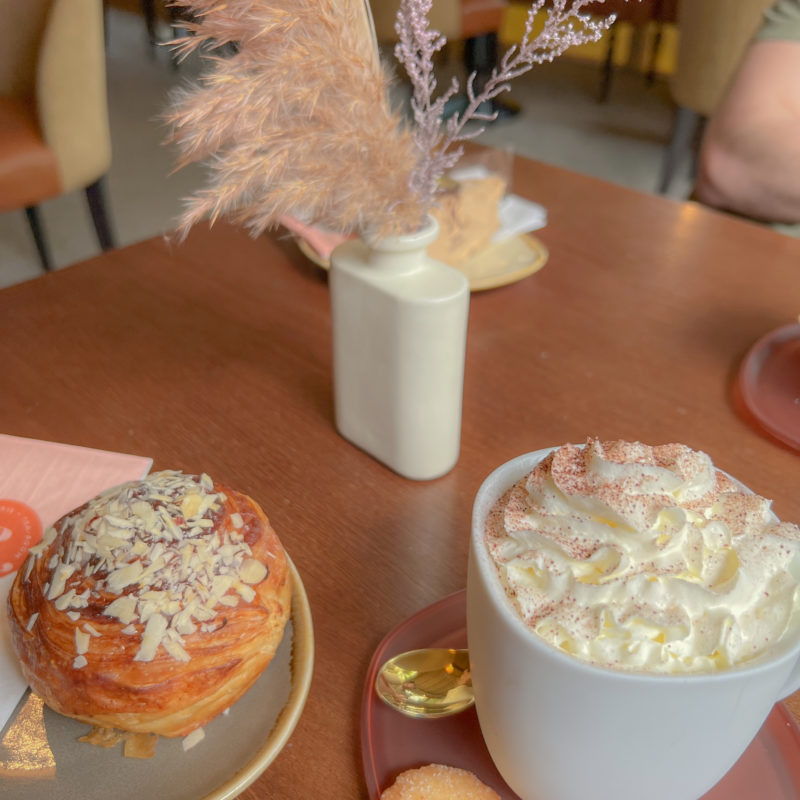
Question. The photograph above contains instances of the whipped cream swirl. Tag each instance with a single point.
(647, 558)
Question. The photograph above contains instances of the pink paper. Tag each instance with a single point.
(39, 483)
(322, 242)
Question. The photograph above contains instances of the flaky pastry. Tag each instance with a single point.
(467, 214)
(153, 607)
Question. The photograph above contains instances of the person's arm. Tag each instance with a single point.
(750, 156)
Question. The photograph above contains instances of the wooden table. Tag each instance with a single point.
(216, 356)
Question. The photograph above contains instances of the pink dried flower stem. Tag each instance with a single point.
(417, 45)
(438, 143)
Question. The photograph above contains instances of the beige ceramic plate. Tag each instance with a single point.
(496, 265)
(40, 755)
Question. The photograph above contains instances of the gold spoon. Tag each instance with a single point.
(434, 682)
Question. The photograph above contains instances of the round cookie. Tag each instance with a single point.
(438, 782)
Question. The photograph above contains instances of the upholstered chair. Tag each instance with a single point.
(713, 37)
(54, 131)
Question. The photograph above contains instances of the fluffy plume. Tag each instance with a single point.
(437, 143)
(296, 122)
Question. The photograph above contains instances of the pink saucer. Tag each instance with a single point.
(391, 743)
(769, 384)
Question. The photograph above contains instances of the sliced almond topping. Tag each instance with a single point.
(124, 576)
(170, 525)
(60, 576)
(118, 522)
(175, 650)
(65, 600)
(252, 571)
(190, 505)
(193, 738)
(81, 641)
(221, 584)
(156, 541)
(32, 621)
(138, 548)
(208, 502)
(123, 608)
(151, 638)
(79, 662)
(145, 609)
(107, 542)
(203, 613)
(245, 592)
(144, 511)
(80, 600)
(182, 623)
(48, 537)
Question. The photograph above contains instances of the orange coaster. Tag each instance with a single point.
(20, 529)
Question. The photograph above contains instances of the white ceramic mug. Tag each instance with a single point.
(559, 728)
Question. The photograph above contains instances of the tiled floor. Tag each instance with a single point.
(621, 140)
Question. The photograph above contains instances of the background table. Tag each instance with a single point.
(215, 356)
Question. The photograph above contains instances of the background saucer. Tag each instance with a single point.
(498, 264)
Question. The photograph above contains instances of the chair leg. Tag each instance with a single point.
(680, 145)
(97, 205)
(650, 77)
(607, 72)
(697, 141)
(481, 56)
(149, 13)
(35, 224)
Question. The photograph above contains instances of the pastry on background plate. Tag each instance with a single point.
(153, 607)
(438, 782)
(467, 213)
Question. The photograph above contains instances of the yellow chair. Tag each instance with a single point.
(713, 37)
(445, 17)
(638, 16)
(54, 131)
(476, 23)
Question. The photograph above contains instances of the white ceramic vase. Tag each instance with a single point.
(399, 340)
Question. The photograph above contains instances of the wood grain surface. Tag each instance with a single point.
(215, 356)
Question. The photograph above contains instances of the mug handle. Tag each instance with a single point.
(792, 683)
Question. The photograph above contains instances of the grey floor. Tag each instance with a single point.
(620, 140)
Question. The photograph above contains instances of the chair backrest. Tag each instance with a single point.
(713, 37)
(445, 17)
(20, 38)
(53, 51)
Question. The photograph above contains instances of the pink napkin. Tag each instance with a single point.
(40, 482)
(321, 241)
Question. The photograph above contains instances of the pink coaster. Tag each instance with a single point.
(392, 743)
(769, 384)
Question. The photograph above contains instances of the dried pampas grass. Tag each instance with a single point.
(296, 122)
